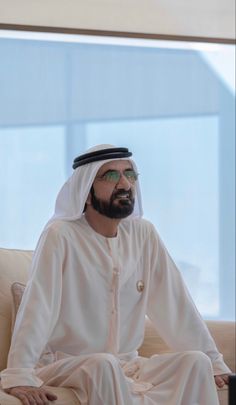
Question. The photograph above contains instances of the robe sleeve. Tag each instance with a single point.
(38, 312)
(172, 310)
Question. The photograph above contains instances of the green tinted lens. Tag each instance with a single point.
(112, 176)
(131, 175)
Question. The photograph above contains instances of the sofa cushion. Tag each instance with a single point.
(14, 266)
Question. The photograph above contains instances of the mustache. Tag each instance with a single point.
(121, 193)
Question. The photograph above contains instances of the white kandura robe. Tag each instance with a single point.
(82, 304)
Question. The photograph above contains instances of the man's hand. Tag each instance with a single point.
(221, 380)
(32, 395)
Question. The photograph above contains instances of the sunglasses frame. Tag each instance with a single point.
(105, 177)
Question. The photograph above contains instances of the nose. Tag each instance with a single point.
(123, 183)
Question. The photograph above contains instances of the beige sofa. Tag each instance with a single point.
(14, 265)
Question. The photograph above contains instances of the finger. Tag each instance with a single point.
(226, 379)
(44, 398)
(37, 397)
(22, 397)
(31, 399)
(51, 396)
(219, 381)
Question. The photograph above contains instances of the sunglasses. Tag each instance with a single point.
(114, 176)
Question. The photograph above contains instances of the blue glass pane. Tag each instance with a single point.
(32, 166)
(175, 108)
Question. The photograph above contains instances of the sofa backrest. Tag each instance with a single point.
(14, 266)
(223, 333)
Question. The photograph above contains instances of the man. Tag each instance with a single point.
(97, 271)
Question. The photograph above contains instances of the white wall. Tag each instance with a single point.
(202, 18)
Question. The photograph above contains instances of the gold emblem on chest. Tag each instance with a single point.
(140, 285)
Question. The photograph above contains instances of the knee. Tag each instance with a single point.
(199, 360)
(103, 361)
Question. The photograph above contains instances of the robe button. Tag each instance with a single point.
(140, 285)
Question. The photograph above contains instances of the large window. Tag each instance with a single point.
(172, 104)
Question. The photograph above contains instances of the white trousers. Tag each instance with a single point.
(184, 378)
